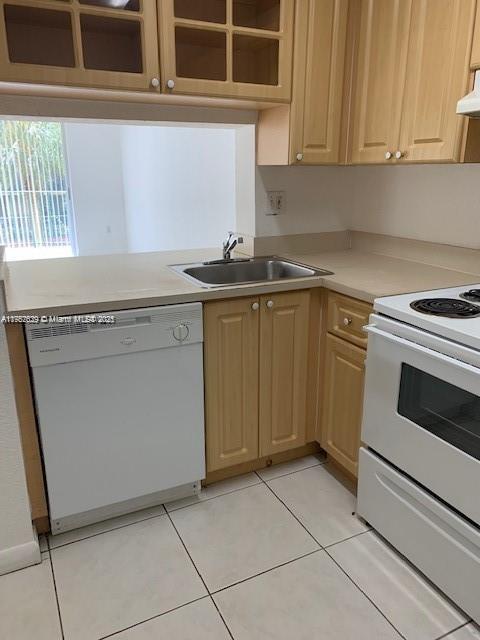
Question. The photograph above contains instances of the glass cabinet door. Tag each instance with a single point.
(448, 412)
(93, 43)
(235, 48)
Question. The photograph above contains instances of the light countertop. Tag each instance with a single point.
(87, 284)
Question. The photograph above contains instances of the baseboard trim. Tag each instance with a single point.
(19, 557)
(261, 463)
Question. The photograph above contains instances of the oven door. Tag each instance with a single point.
(422, 413)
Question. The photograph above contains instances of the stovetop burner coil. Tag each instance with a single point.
(446, 307)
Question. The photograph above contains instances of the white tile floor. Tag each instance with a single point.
(274, 555)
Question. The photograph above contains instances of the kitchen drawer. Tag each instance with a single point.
(423, 529)
(346, 318)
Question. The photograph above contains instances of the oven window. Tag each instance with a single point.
(441, 408)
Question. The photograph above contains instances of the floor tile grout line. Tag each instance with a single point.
(363, 592)
(221, 616)
(262, 573)
(333, 560)
(159, 615)
(227, 493)
(289, 473)
(56, 595)
(292, 514)
(122, 526)
(355, 535)
(94, 535)
(188, 554)
(304, 526)
(445, 635)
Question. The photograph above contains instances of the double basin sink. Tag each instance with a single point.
(221, 273)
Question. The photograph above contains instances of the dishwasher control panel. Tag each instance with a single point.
(79, 338)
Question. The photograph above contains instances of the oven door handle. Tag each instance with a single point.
(418, 348)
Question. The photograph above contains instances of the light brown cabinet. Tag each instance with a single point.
(80, 43)
(343, 373)
(475, 57)
(283, 371)
(17, 351)
(320, 66)
(227, 48)
(309, 130)
(256, 364)
(343, 401)
(412, 68)
(231, 348)
(437, 77)
(379, 79)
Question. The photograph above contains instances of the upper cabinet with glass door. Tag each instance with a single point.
(227, 48)
(108, 44)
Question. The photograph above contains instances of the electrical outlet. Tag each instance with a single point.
(276, 203)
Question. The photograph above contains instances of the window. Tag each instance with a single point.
(35, 217)
(447, 411)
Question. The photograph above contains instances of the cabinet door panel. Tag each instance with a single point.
(231, 382)
(283, 371)
(379, 78)
(79, 44)
(243, 50)
(318, 80)
(437, 77)
(343, 401)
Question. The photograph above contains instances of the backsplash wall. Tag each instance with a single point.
(317, 199)
(434, 203)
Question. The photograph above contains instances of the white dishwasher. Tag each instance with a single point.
(120, 410)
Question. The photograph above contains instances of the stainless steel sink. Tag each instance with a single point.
(220, 273)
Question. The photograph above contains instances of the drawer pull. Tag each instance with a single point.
(270, 304)
(347, 321)
(255, 306)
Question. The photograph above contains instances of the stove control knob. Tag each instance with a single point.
(347, 321)
(180, 332)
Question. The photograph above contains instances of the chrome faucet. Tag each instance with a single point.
(230, 243)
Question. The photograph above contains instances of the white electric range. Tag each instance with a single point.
(419, 469)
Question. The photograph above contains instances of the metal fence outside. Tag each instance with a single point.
(34, 197)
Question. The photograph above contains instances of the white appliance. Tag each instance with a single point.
(419, 471)
(469, 105)
(120, 409)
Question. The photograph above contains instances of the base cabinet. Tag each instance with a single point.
(343, 401)
(343, 354)
(256, 365)
(231, 330)
(283, 371)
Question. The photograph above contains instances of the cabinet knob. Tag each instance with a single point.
(270, 304)
(399, 154)
(299, 156)
(155, 83)
(170, 84)
(255, 306)
(347, 321)
(388, 155)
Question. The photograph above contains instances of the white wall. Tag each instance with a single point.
(437, 203)
(317, 199)
(179, 186)
(245, 183)
(95, 166)
(18, 545)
